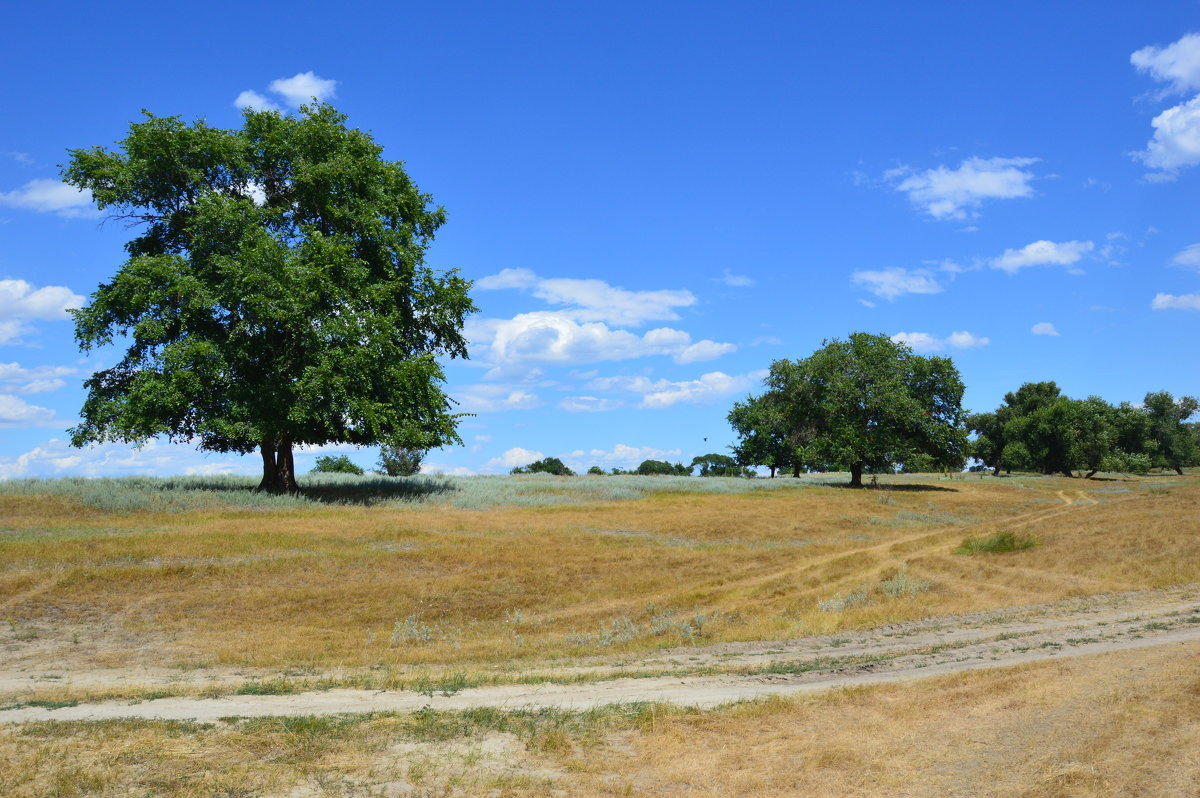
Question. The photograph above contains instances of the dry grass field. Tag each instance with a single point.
(103, 596)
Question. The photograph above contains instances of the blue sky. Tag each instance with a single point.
(657, 200)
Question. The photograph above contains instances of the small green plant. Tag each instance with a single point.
(1001, 541)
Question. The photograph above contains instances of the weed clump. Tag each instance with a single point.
(1001, 541)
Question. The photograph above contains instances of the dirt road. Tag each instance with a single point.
(898, 652)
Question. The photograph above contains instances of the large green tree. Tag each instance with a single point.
(869, 402)
(276, 294)
(1170, 442)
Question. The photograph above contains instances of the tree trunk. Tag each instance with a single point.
(773, 467)
(1091, 473)
(996, 471)
(1178, 470)
(1066, 472)
(795, 472)
(856, 470)
(279, 470)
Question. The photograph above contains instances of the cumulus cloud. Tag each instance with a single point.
(446, 470)
(1176, 141)
(955, 194)
(254, 101)
(1189, 257)
(1176, 302)
(1044, 328)
(513, 458)
(488, 398)
(924, 342)
(50, 196)
(16, 412)
(21, 302)
(1042, 253)
(41, 379)
(555, 337)
(1177, 64)
(295, 91)
(896, 281)
(57, 457)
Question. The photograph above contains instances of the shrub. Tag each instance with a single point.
(999, 542)
(397, 461)
(596, 470)
(341, 464)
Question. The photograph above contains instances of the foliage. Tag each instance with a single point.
(596, 471)
(399, 461)
(1170, 442)
(719, 465)
(764, 437)
(277, 294)
(547, 465)
(1001, 541)
(870, 403)
(339, 464)
(650, 467)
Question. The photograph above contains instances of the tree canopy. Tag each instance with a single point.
(866, 402)
(277, 294)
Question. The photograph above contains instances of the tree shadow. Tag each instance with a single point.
(905, 487)
(368, 492)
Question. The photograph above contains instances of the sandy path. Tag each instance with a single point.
(894, 653)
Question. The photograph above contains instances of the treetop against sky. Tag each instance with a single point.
(656, 204)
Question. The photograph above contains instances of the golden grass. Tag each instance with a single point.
(364, 587)
(1123, 724)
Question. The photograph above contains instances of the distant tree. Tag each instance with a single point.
(869, 402)
(1172, 444)
(398, 461)
(277, 293)
(651, 467)
(547, 465)
(719, 465)
(596, 470)
(339, 464)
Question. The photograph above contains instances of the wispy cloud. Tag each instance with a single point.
(896, 281)
(1189, 257)
(1042, 253)
(1044, 328)
(735, 280)
(1176, 302)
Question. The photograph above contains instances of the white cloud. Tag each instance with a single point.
(513, 458)
(735, 280)
(896, 281)
(1044, 328)
(20, 301)
(254, 101)
(1173, 302)
(924, 342)
(56, 457)
(450, 471)
(1042, 253)
(507, 278)
(1176, 142)
(589, 404)
(703, 350)
(1189, 257)
(303, 87)
(16, 412)
(41, 379)
(594, 300)
(953, 194)
(620, 454)
(555, 337)
(485, 398)
(1177, 63)
(50, 196)
(658, 394)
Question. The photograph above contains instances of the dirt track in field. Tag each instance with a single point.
(898, 652)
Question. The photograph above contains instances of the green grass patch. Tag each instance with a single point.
(1001, 541)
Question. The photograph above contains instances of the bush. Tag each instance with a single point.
(396, 461)
(651, 467)
(547, 465)
(596, 470)
(1001, 541)
(341, 464)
